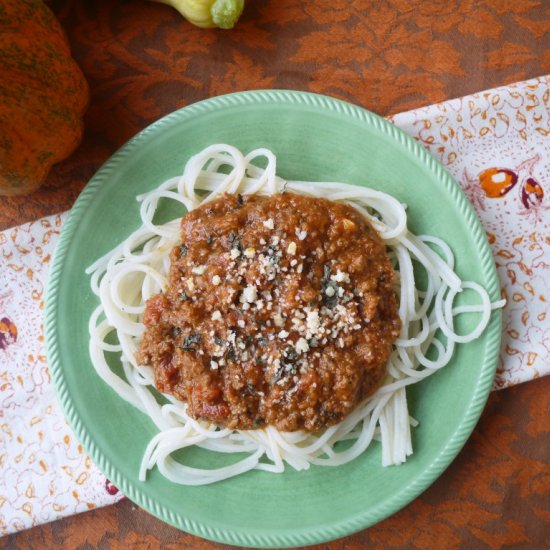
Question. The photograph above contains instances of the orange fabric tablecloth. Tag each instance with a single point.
(143, 61)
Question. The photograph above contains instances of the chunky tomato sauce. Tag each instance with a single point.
(280, 311)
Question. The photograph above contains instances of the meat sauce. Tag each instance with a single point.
(279, 311)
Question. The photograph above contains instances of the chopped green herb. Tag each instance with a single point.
(182, 250)
(190, 341)
(326, 273)
(183, 296)
(271, 252)
(230, 355)
(313, 342)
(291, 368)
(250, 388)
(277, 376)
(262, 341)
(219, 341)
(210, 239)
(235, 241)
(330, 301)
(290, 354)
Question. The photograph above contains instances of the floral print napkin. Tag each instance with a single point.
(44, 472)
(497, 146)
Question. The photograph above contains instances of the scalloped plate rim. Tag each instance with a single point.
(295, 537)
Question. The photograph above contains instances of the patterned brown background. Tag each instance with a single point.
(143, 61)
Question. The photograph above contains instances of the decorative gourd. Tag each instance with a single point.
(209, 13)
(43, 95)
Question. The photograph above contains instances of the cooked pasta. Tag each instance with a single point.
(137, 269)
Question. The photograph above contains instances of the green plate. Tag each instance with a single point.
(314, 138)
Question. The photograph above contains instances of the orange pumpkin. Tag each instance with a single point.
(43, 95)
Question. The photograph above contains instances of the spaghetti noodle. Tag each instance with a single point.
(137, 269)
